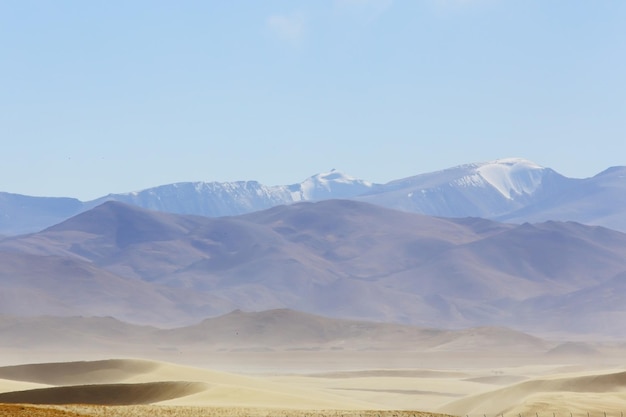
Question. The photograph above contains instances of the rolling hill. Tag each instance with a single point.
(337, 258)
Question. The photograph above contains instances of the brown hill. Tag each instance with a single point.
(337, 258)
(279, 330)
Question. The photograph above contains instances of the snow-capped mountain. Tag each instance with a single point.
(487, 190)
(599, 200)
(327, 185)
(478, 190)
(512, 189)
(211, 199)
(215, 199)
(511, 177)
(24, 214)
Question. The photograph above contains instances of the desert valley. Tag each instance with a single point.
(482, 290)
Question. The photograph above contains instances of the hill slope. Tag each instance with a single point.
(338, 258)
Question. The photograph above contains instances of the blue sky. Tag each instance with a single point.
(114, 96)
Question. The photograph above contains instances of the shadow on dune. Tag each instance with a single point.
(77, 373)
(105, 394)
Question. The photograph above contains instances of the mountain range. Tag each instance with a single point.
(337, 258)
(510, 190)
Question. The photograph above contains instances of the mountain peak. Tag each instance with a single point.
(334, 176)
(332, 184)
(614, 171)
(511, 176)
(123, 223)
(514, 162)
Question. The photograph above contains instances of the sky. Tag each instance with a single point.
(101, 97)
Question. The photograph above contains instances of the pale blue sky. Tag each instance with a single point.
(113, 96)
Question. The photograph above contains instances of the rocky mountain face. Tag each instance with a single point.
(336, 258)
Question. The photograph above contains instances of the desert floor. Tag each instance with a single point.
(299, 383)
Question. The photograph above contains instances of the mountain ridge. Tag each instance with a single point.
(509, 189)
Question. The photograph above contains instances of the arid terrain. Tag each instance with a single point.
(329, 308)
(451, 378)
(335, 208)
(7, 410)
(335, 258)
(267, 362)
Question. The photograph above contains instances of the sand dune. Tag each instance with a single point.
(390, 392)
(400, 373)
(7, 385)
(105, 394)
(75, 373)
(498, 379)
(126, 382)
(461, 391)
(560, 393)
(573, 349)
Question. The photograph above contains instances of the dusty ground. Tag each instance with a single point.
(182, 411)
(15, 410)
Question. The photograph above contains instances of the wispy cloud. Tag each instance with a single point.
(290, 28)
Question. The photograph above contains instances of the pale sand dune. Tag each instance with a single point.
(233, 389)
(78, 373)
(458, 391)
(288, 397)
(591, 392)
(155, 382)
(401, 373)
(105, 394)
(391, 392)
(7, 385)
(577, 403)
(497, 379)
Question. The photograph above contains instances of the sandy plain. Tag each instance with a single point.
(321, 383)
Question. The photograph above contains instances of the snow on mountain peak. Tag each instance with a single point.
(333, 182)
(515, 162)
(511, 176)
(334, 176)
